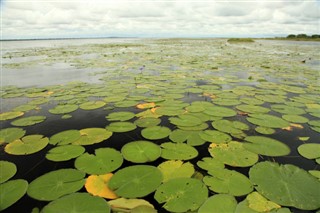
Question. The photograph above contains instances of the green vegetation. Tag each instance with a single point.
(239, 40)
(300, 37)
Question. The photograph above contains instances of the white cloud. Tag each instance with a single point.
(59, 18)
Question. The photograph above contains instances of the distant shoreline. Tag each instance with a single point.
(39, 39)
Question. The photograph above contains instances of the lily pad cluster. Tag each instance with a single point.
(171, 123)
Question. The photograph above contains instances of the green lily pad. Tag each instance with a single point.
(147, 122)
(55, 184)
(25, 107)
(27, 145)
(252, 109)
(200, 127)
(226, 101)
(233, 154)
(265, 130)
(259, 203)
(214, 136)
(11, 192)
(124, 204)
(209, 164)
(64, 153)
(178, 195)
(64, 109)
(195, 108)
(126, 103)
(91, 136)
(266, 146)
(104, 161)
(121, 126)
(315, 173)
(251, 101)
(141, 151)
(10, 115)
(220, 111)
(120, 116)
(28, 121)
(155, 132)
(219, 203)
(286, 185)
(185, 120)
(135, 181)
(91, 105)
(295, 119)
(192, 137)
(228, 182)
(65, 137)
(10, 134)
(8, 170)
(176, 169)
(66, 116)
(235, 128)
(178, 151)
(78, 202)
(266, 120)
(285, 109)
(309, 150)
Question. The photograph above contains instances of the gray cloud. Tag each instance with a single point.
(59, 18)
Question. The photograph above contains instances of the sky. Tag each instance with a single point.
(33, 19)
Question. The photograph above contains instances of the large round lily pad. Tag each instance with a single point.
(91, 105)
(91, 136)
(295, 118)
(219, 203)
(141, 151)
(7, 170)
(10, 134)
(65, 137)
(208, 163)
(182, 194)
(220, 111)
(310, 150)
(155, 132)
(147, 122)
(285, 109)
(214, 136)
(233, 154)
(176, 169)
(286, 185)
(78, 202)
(11, 192)
(63, 109)
(228, 182)
(266, 120)
(185, 120)
(10, 115)
(252, 109)
(266, 146)
(178, 151)
(55, 184)
(135, 181)
(120, 116)
(104, 161)
(28, 121)
(27, 145)
(64, 153)
(121, 126)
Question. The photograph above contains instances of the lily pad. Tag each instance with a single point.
(28, 121)
(310, 150)
(295, 118)
(178, 151)
(121, 126)
(97, 185)
(265, 130)
(135, 181)
(219, 203)
(266, 146)
(259, 203)
(147, 122)
(10, 134)
(64, 109)
(91, 136)
(266, 120)
(220, 111)
(252, 109)
(124, 204)
(120, 116)
(78, 202)
(285, 109)
(233, 154)
(27, 145)
(155, 132)
(214, 136)
(91, 105)
(8, 170)
(192, 137)
(228, 182)
(176, 169)
(185, 120)
(141, 151)
(65, 153)
(209, 164)
(10, 115)
(104, 161)
(11, 192)
(65, 137)
(178, 195)
(55, 184)
(286, 185)
(235, 128)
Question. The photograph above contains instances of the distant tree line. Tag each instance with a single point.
(303, 36)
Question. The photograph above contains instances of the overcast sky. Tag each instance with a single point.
(151, 18)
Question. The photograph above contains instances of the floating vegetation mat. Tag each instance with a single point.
(171, 125)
